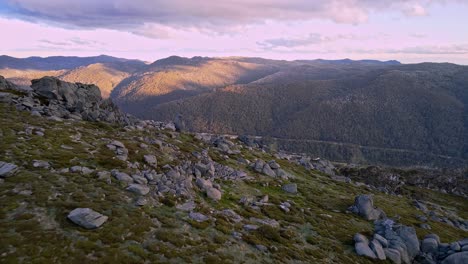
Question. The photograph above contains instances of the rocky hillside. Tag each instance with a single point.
(77, 187)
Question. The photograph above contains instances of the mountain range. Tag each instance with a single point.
(351, 111)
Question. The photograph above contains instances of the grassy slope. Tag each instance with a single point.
(34, 228)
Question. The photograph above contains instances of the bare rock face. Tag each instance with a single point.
(87, 218)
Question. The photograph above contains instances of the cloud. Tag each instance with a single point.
(311, 39)
(456, 49)
(146, 17)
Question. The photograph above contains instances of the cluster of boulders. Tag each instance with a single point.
(119, 148)
(438, 213)
(390, 180)
(399, 243)
(59, 100)
(271, 168)
(433, 251)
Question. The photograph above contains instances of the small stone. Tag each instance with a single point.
(87, 218)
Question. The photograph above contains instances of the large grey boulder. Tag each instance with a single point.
(456, 258)
(409, 237)
(364, 206)
(87, 218)
(429, 245)
(7, 169)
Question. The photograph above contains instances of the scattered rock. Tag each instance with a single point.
(198, 217)
(7, 169)
(188, 206)
(87, 218)
(151, 160)
(213, 193)
(138, 189)
(290, 188)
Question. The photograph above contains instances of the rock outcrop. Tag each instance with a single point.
(58, 99)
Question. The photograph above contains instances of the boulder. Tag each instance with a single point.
(151, 160)
(382, 240)
(363, 249)
(213, 194)
(198, 217)
(121, 176)
(87, 218)
(393, 255)
(409, 237)
(377, 248)
(290, 188)
(364, 206)
(360, 238)
(429, 245)
(7, 169)
(203, 184)
(456, 258)
(139, 189)
(268, 171)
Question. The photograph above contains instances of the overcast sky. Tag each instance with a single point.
(405, 30)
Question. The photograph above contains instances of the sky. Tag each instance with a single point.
(406, 30)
